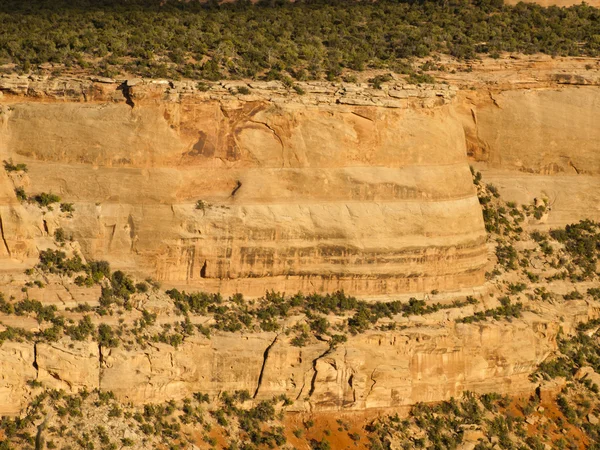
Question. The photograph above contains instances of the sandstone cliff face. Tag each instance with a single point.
(16, 360)
(374, 370)
(344, 188)
(369, 199)
(539, 143)
(544, 131)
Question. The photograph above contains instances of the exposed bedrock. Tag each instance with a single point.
(373, 370)
(539, 143)
(313, 193)
(368, 199)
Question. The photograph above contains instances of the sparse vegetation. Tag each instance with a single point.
(9, 166)
(44, 200)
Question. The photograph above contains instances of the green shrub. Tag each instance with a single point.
(10, 167)
(67, 207)
(20, 193)
(44, 199)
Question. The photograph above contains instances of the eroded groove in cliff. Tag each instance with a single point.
(35, 364)
(577, 170)
(264, 364)
(269, 127)
(100, 362)
(362, 116)
(238, 185)
(124, 88)
(374, 382)
(313, 380)
(131, 225)
(4, 238)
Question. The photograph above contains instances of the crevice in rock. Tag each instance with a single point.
(276, 136)
(67, 290)
(4, 238)
(35, 364)
(45, 226)
(223, 111)
(112, 230)
(570, 164)
(57, 377)
(131, 224)
(238, 185)
(126, 93)
(374, 382)
(203, 269)
(264, 364)
(301, 390)
(494, 100)
(191, 258)
(315, 372)
(100, 362)
(362, 116)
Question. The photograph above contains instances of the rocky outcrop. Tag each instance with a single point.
(547, 131)
(372, 370)
(18, 366)
(539, 143)
(334, 190)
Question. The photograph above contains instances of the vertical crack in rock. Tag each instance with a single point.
(276, 137)
(4, 238)
(191, 262)
(494, 100)
(374, 382)
(570, 164)
(45, 226)
(301, 389)
(131, 224)
(35, 364)
(126, 93)
(315, 372)
(264, 364)
(238, 185)
(112, 229)
(203, 269)
(100, 362)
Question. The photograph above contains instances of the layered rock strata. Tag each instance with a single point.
(352, 188)
(373, 370)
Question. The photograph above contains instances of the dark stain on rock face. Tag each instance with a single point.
(203, 147)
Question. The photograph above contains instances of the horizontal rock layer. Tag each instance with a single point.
(368, 199)
(374, 370)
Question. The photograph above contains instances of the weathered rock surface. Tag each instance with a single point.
(16, 361)
(538, 143)
(372, 370)
(546, 131)
(345, 187)
(369, 199)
